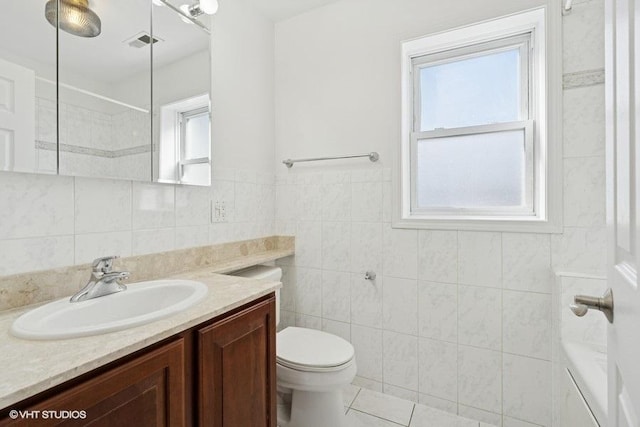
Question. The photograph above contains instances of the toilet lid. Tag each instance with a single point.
(311, 348)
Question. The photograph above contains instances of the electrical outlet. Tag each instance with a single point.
(218, 211)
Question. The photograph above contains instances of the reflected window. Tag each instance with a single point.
(185, 148)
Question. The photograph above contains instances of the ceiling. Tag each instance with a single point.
(279, 10)
(25, 33)
(106, 58)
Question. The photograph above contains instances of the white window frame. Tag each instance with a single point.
(183, 160)
(542, 127)
(171, 159)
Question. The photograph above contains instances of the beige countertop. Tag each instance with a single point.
(30, 367)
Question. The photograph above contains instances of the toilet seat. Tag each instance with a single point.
(303, 368)
(310, 350)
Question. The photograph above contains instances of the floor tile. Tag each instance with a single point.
(360, 419)
(424, 416)
(349, 393)
(383, 406)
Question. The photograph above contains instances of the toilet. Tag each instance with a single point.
(312, 367)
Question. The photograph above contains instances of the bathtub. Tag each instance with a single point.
(579, 354)
(587, 365)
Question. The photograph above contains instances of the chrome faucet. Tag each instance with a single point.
(103, 281)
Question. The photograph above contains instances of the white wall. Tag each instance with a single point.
(242, 95)
(338, 70)
(48, 221)
(458, 320)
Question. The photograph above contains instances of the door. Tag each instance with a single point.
(237, 378)
(17, 118)
(622, 51)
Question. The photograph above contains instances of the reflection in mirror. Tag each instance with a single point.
(105, 89)
(27, 89)
(181, 94)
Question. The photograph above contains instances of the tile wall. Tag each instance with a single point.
(52, 221)
(93, 143)
(457, 320)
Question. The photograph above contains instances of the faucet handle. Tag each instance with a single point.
(115, 276)
(104, 264)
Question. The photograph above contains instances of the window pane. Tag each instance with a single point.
(473, 91)
(198, 174)
(196, 137)
(472, 171)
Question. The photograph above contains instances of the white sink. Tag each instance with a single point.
(141, 303)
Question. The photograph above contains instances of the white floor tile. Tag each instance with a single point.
(349, 393)
(423, 416)
(384, 406)
(360, 419)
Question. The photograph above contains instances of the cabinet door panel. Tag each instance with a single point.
(237, 382)
(147, 391)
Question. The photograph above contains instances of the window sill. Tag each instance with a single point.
(515, 225)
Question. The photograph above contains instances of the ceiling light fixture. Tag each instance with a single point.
(74, 17)
(208, 7)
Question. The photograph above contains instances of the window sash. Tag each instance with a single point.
(185, 116)
(522, 41)
(527, 209)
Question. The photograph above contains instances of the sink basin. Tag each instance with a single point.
(141, 303)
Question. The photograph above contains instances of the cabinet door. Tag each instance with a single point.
(147, 391)
(237, 370)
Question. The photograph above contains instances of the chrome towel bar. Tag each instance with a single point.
(373, 156)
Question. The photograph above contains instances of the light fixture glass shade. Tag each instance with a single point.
(209, 6)
(75, 17)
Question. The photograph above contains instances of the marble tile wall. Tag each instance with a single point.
(590, 329)
(457, 320)
(92, 142)
(23, 289)
(52, 221)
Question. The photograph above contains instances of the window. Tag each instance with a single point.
(474, 150)
(184, 143)
(194, 145)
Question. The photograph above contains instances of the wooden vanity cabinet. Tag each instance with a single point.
(146, 391)
(220, 373)
(236, 369)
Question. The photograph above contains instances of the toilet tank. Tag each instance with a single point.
(264, 272)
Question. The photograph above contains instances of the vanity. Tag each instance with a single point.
(172, 371)
(129, 98)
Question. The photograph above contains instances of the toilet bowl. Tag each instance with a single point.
(312, 367)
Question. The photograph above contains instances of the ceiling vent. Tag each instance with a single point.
(141, 40)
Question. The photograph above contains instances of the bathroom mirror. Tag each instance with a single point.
(28, 131)
(181, 95)
(104, 88)
(130, 99)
